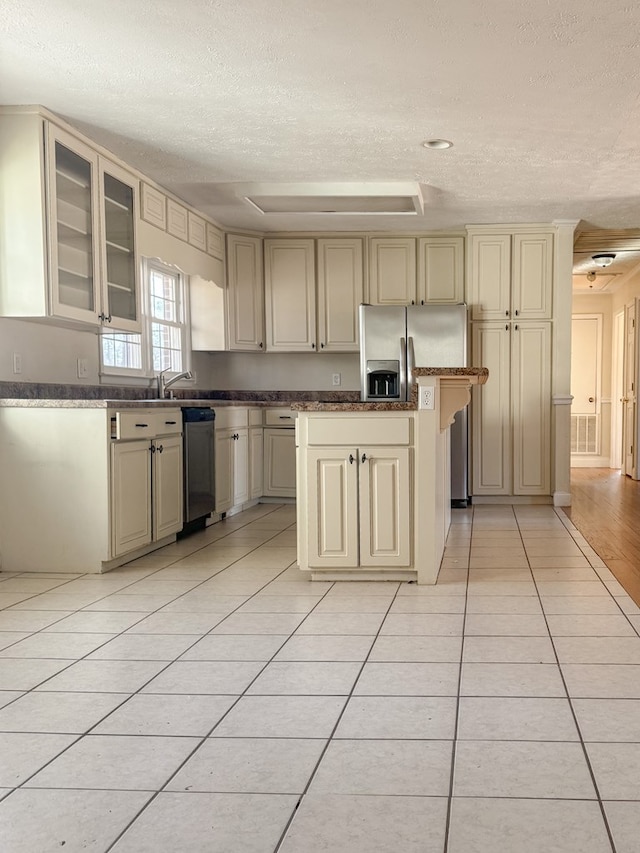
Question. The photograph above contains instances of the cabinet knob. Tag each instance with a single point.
(352, 459)
(364, 457)
(506, 327)
(516, 327)
(152, 448)
(261, 344)
(516, 312)
(160, 449)
(313, 346)
(321, 346)
(506, 313)
(592, 399)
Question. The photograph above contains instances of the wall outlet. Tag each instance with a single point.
(17, 362)
(336, 379)
(427, 397)
(83, 368)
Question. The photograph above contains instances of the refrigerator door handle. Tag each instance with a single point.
(411, 363)
(403, 369)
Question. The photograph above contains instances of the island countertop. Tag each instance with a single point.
(482, 374)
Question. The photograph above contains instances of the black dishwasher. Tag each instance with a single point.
(199, 463)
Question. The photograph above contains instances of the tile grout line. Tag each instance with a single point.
(573, 713)
(454, 745)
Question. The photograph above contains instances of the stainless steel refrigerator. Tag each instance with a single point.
(396, 338)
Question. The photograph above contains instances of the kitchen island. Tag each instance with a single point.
(373, 481)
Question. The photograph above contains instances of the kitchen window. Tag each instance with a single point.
(163, 344)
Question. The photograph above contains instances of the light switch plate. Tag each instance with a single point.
(83, 368)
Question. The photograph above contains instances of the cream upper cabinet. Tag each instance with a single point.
(68, 250)
(177, 220)
(510, 276)
(392, 271)
(340, 292)
(489, 276)
(120, 267)
(245, 301)
(511, 414)
(532, 276)
(440, 270)
(290, 295)
(153, 206)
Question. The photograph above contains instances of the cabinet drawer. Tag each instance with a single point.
(280, 417)
(147, 423)
(233, 417)
(359, 431)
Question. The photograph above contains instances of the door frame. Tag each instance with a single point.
(617, 388)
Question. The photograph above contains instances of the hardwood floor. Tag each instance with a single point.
(605, 507)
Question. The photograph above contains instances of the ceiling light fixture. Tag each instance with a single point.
(603, 260)
(437, 144)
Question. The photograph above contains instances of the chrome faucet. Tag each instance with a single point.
(163, 384)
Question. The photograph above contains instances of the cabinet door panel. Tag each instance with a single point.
(290, 290)
(332, 502)
(256, 462)
(280, 463)
(531, 394)
(532, 276)
(74, 228)
(240, 449)
(441, 269)
(167, 486)
(246, 294)
(491, 407)
(385, 506)
(490, 276)
(120, 282)
(130, 496)
(224, 469)
(340, 292)
(392, 271)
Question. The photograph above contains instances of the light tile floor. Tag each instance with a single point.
(209, 698)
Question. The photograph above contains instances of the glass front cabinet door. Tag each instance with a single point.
(120, 289)
(74, 227)
(92, 215)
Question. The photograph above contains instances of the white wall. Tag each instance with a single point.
(277, 371)
(49, 353)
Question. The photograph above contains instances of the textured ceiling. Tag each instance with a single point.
(539, 98)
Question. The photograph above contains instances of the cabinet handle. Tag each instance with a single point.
(170, 423)
(506, 313)
(160, 449)
(313, 346)
(422, 302)
(506, 327)
(364, 457)
(321, 346)
(352, 459)
(261, 344)
(517, 312)
(142, 425)
(413, 301)
(152, 448)
(516, 327)
(108, 318)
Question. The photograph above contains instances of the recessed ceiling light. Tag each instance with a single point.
(437, 143)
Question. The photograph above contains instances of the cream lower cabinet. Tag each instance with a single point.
(511, 414)
(279, 463)
(146, 490)
(359, 507)
(232, 458)
(256, 454)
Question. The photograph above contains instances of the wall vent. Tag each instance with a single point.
(585, 437)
